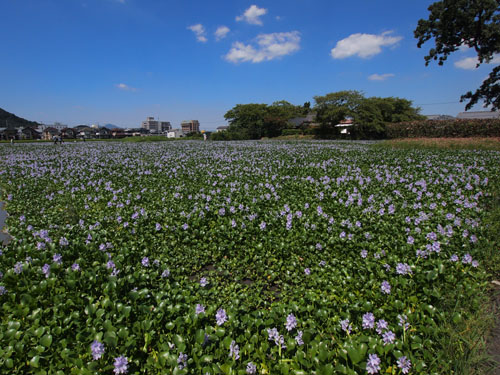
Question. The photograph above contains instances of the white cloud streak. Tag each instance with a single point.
(363, 45)
(199, 31)
(125, 87)
(221, 32)
(252, 15)
(268, 47)
(380, 77)
(470, 63)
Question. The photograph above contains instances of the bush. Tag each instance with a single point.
(446, 129)
(291, 132)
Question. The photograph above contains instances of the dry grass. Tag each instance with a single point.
(492, 143)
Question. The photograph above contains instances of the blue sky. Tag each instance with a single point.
(119, 61)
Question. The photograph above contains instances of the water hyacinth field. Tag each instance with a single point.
(238, 258)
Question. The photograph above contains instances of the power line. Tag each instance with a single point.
(439, 103)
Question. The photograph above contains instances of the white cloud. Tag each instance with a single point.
(363, 45)
(252, 15)
(380, 77)
(199, 31)
(470, 63)
(221, 32)
(125, 87)
(269, 47)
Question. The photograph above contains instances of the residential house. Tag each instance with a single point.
(103, 133)
(68, 133)
(85, 132)
(344, 126)
(303, 122)
(222, 128)
(30, 133)
(137, 132)
(439, 117)
(118, 133)
(49, 133)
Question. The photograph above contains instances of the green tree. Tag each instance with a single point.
(374, 113)
(472, 23)
(247, 120)
(334, 107)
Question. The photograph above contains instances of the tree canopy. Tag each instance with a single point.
(454, 24)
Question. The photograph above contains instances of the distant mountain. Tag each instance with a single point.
(111, 126)
(10, 120)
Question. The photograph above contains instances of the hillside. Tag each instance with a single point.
(8, 119)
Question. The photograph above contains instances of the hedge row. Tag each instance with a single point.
(447, 129)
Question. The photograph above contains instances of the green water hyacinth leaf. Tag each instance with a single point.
(356, 352)
(46, 341)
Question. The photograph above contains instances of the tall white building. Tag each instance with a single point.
(156, 126)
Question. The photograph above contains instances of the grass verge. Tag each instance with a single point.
(492, 143)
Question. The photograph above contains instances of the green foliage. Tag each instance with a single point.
(446, 128)
(474, 24)
(338, 217)
(370, 115)
(254, 121)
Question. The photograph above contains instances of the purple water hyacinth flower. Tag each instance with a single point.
(110, 265)
(274, 335)
(97, 349)
(63, 241)
(40, 245)
(75, 267)
(368, 320)
(403, 321)
(262, 225)
(221, 317)
(403, 269)
(18, 268)
(364, 254)
(46, 270)
(322, 263)
(165, 273)
(158, 226)
(385, 287)
(475, 264)
(373, 364)
(3, 290)
(454, 258)
(203, 281)
(307, 271)
(467, 259)
(298, 338)
(410, 240)
(182, 360)
(234, 351)
(185, 226)
(199, 309)
(145, 262)
(57, 258)
(291, 322)
(388, 337)
(387, 267)
(121, 365)
(404, 364)
(381, 326)
(22, 218)
(345, 325)
(251, 369)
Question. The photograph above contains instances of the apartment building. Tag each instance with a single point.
(156, 126)
(190, 126)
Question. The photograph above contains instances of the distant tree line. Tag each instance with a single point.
(369, 116)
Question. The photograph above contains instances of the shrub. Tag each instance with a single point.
(447, 129)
